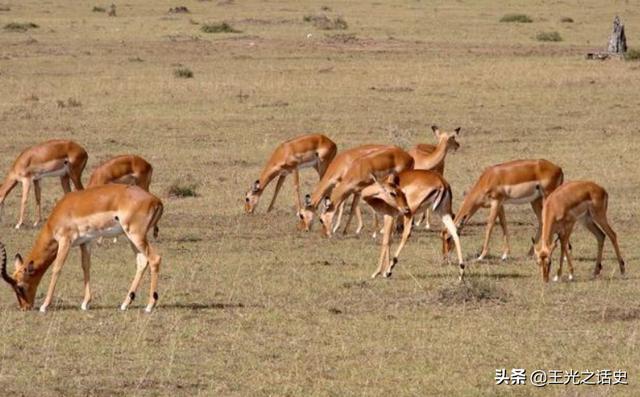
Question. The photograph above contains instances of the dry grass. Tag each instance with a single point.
(251, 306)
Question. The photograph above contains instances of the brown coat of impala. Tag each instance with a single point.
(431, 158)
(315, 151)
(127, 169)
(363, 172)
(409, 193)
(515, 182)
(334, 174)
(62, 158)
(579, 201)
(77, 219)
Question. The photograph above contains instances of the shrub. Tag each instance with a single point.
(566, 20)
(183, 73)
(223, 27)
(181, 189)
(99, 9)
(519, 18)
(20, 27)
(632, 54)
(548, 36)
(322, 21)
(70, 103)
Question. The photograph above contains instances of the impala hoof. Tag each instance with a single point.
(504, 257)
(18, 226)
(123, 307)
(374, 275)
(387, 274)
(571, 277)
(43, 309)
(149, 308)
(556, 278)
(84, 306)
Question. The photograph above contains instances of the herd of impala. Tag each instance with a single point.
(396, 184)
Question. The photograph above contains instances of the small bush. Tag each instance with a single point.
(548, 36)
(183, 73)
(70, 103)
(632, 54)
(136, 59)
(99, 9)
(179, 10)
(20, 27)
(322, 21)
(519, 18)
(183, 188)
(566, 20)
(223, 27)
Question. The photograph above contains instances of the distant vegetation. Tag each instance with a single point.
(183, 73)
(181, 189)
(222, 27)
(20, 27)
(322, 21)
(519, 18)
(632, 54)
(548, 36)
(99, 9)
(566, 20)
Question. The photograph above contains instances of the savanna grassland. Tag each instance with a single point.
(248, 304)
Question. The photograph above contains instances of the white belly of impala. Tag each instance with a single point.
(95, 233)
(522, 193)
(102, 224)
(62, 171)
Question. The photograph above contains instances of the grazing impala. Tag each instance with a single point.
(431, 158)
(336, 170)
(65, 159)
(515, 182)
(315, 151)
(361, 174)
(127, 169)
(77, 219)
(409, 193)
(580, 201)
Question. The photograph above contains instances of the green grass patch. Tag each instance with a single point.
(549, 36)
(221, 27)
(183, 73)
(566, 20)
(517, 18)
(632, 54)
(182, 189)
(20, 27)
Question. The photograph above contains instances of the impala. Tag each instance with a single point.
(65, 159)
(515, 182)
(431, 157)
(410, 192)
(315, 151)
(334, 174)
(581, 201)
(361, 174)
(127, 169)
(77, 219)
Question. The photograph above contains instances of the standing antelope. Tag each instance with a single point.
(127, 169)
(431, 158)
(361, 174)
(62, 158)
(581, 201)
(315, 151)
(334, 174)
(515, 182)
(411, 192)
(77, 219)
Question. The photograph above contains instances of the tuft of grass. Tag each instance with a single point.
(179, 10)
(471, 291)
(70, 103)
(518, 18)
(566, 20)
(549, 36)
(221, 27)
(183, 73)
(183, 188)
(632, 54)
(99, 9)
(20, 27)
(323, 22)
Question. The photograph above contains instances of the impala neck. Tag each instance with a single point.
(470, 205)
(340, 193)
(44, 251)
(546, 234)
(268, 174)
(438, 155)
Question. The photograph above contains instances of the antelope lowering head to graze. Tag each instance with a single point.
(315, 151)
(431, 158)
(579, 201)
(409, 193)
(62, 158)
(336, 170)
(361, 173)
(127, 169)
(515, 182)
(77, 219)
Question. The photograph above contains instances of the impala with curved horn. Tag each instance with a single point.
(77, 219)
(315, 151)
(62, 158)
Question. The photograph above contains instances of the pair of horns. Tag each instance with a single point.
(3, 259)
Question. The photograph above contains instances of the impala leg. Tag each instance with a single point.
(406, 233)
(505, 233)
(564, 240)
(38, 195)
(376, 224)
(65, 181)
(384, 247)
(563, 255)
(141, 265)
(296, 189)
(339, 220)
(536, 205)
(453, 232)
(75, 173)
(427, 218)
(493, 214)
(154, 264)
(26, 185)
(64, 246)
(600, 218)
(600, 236)
(354, 205)
(275, 193)
(85, 256)
(359, 219)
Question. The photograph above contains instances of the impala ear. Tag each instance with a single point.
(533, 241)
(30, 269)
(256, 186)
(394, 179)
(436, 131)
(307, 200)
(457, 130)
(18, 261)
(327, 203)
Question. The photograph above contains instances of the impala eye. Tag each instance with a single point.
(393, 194)
(301, 216)
(246, 199)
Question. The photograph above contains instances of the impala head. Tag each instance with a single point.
(543, 257)
(449, 137)
(326, 217)
(24, 281)
(390, 192)
(252, 197)
(306, 215)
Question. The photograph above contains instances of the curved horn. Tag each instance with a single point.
(3, 259)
